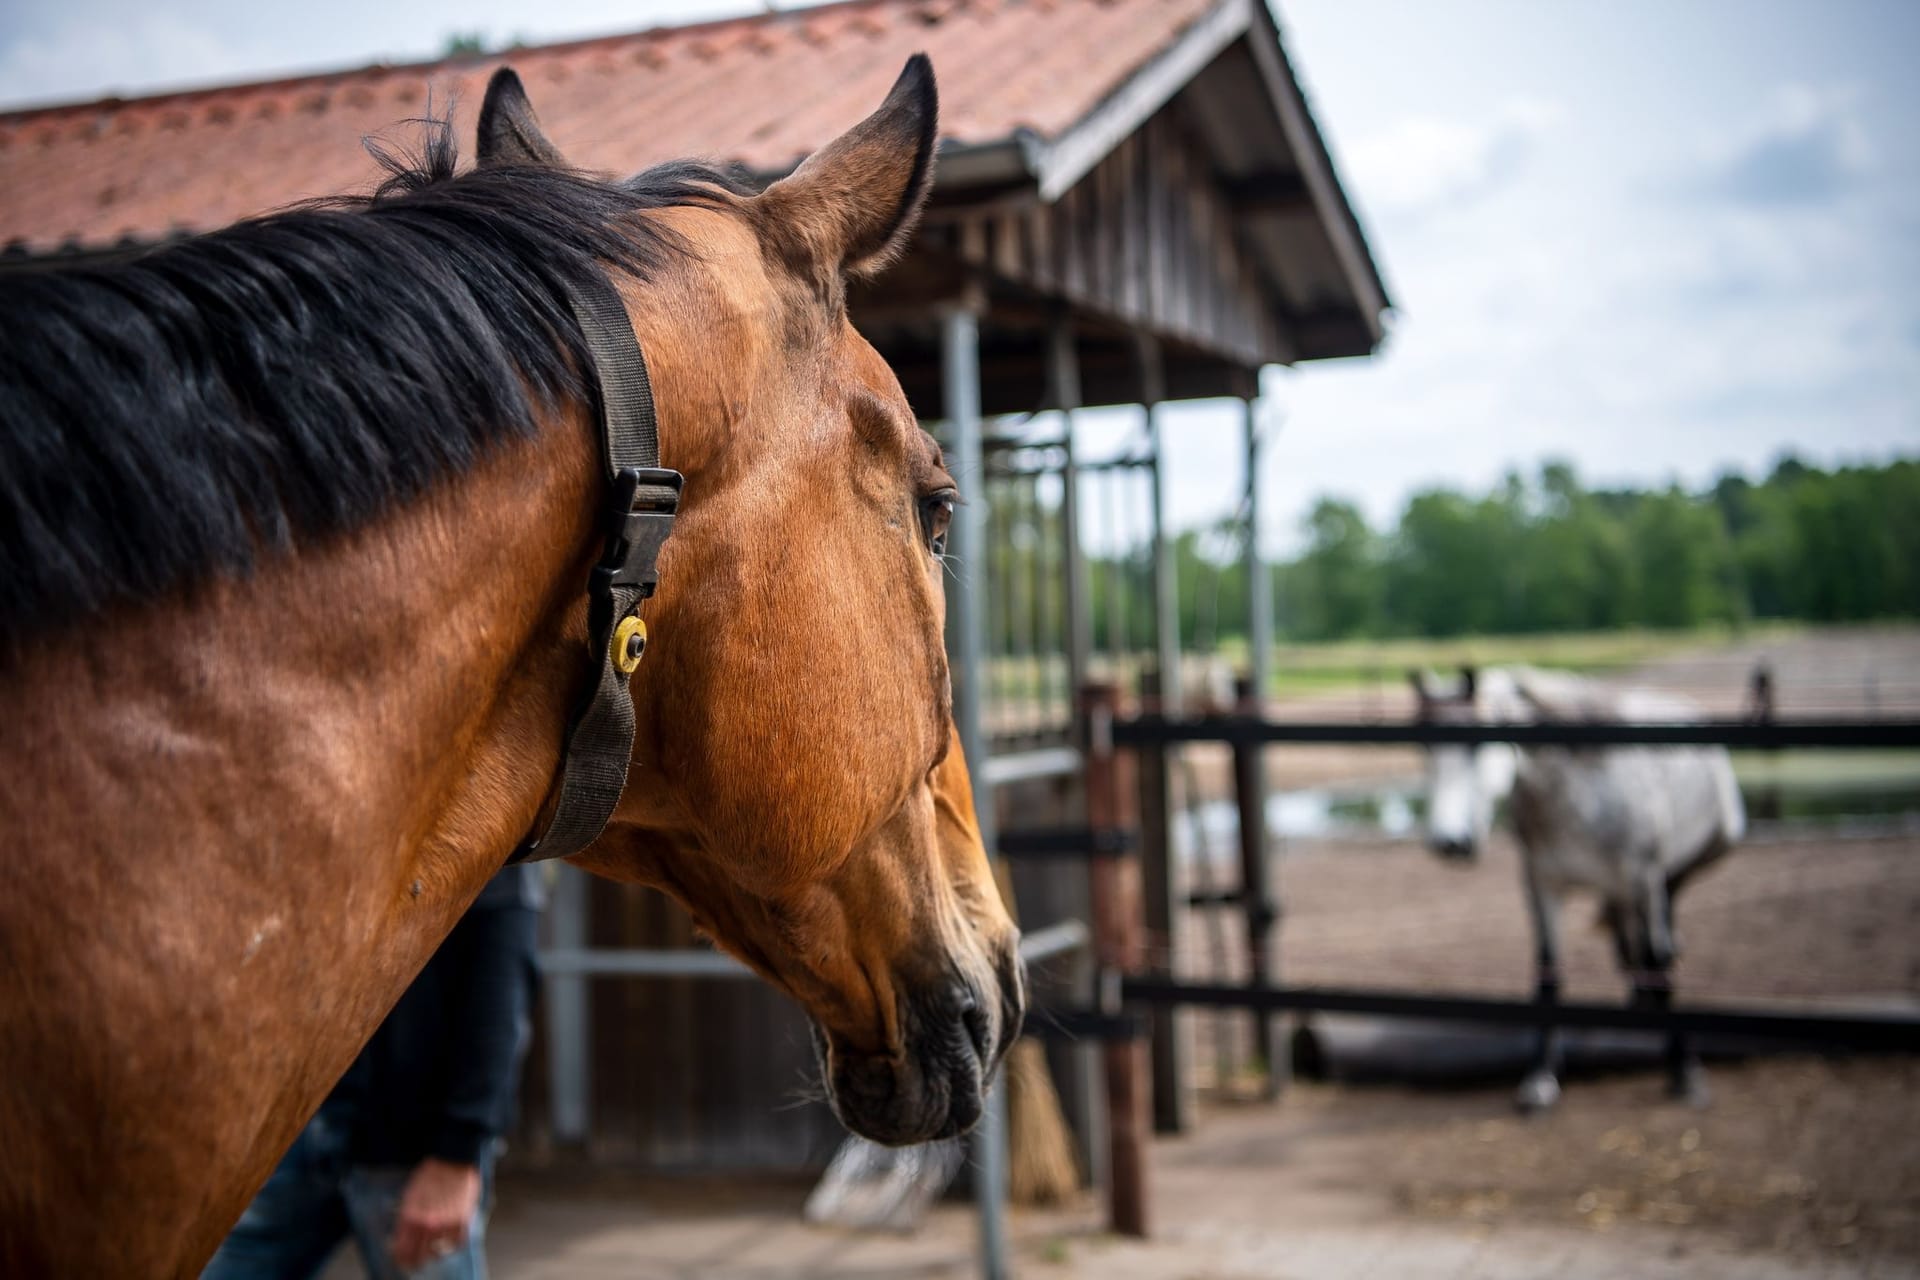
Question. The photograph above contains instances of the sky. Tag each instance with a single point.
(1655, 238)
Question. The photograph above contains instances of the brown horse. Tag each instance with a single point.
(295, 521)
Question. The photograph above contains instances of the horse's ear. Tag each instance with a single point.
(1418, 679)
(855, 201)
(509, 133)
(1469, 682)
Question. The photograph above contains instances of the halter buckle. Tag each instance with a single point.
(640, 520)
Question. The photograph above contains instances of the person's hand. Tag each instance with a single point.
(436, 1208)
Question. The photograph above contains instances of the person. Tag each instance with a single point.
(400, 1156)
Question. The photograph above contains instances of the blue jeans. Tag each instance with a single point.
(316, 1198)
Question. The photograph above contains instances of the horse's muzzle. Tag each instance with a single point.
(955, 1038)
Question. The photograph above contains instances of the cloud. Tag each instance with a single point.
(1809, 150)
(86, 55)
(1423, 165)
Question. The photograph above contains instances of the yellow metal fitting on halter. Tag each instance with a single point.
(629, 642)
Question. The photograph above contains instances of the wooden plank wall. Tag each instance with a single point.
(1147, 238)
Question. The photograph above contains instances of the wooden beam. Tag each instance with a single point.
(1310, 152)
(1270, 194)
(980, 201)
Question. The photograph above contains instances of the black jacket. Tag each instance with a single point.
(439, 1076)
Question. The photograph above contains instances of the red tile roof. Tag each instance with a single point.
(762, 91)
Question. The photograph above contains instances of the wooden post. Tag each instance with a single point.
(1160, 909)
(1115, 892)
(1256, 893)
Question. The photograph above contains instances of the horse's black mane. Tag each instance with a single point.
(165, 417)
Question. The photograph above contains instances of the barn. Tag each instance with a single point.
(1134, 206)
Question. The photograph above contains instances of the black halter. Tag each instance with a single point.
(639, 518)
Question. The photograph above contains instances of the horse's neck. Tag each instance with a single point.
(248, 817)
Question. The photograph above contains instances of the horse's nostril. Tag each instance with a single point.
(979, 1031)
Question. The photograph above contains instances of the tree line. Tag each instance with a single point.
(1544, 553)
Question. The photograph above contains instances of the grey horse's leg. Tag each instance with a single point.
(1541, 1088)
(1649, 959)
(1686, 1078)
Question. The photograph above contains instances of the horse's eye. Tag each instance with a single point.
(936, 513)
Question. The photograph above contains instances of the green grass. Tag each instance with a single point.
(1829, 770)
(1358, 664)
(1317, 668)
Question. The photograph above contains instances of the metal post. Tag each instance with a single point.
(569, 1058)
(1259, 583)
(1063, 373)
(966, 646)
(1166, 586)
(1114, 886)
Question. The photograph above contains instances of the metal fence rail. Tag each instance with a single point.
(1153, 729)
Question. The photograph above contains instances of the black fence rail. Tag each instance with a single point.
(1152, 729)
(1893, 1031)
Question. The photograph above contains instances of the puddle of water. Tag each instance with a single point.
(1395, 809)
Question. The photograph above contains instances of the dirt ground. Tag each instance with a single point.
(1806, 1156)
(1802, 1168)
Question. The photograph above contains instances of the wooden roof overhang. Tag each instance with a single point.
(1195, 207)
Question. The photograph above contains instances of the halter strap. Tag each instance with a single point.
(638, 519)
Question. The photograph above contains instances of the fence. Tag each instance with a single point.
(1126, 762)
(1053, 626)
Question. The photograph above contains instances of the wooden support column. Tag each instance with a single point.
(1160, 907)
(967, 655)
(1256, 894)
(1063, 376)
(1170, 1111)
(1249, 772)
(1117, 944)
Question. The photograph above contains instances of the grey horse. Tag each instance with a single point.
(1631, 824)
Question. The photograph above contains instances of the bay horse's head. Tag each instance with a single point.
(797, 784)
